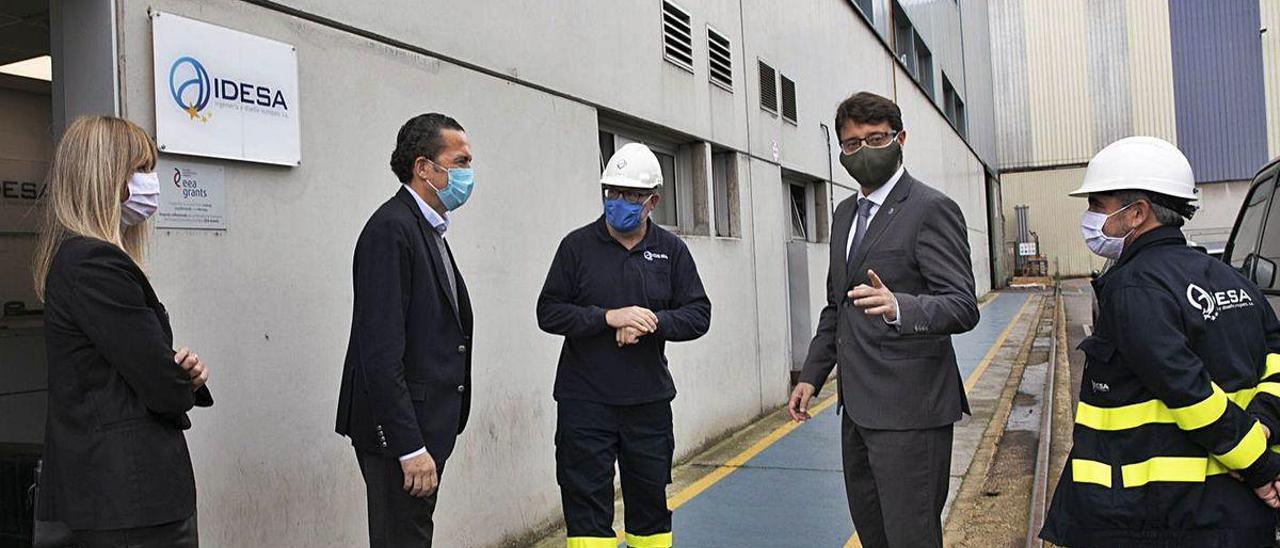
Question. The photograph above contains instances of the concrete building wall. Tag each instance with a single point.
(268, 302)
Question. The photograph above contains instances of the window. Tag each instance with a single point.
(799, 212)
(1245, 240)
(953, 106)
(724, 184)
(789, 100)
(667, 212)
(1265, 274)
(904, 39)
(686, 172)
(865, 7)
(677, 36)
(720, 59)
(924, 58)
(768, 88)
(808, 206)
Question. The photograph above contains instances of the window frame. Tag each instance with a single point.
(1269, 177)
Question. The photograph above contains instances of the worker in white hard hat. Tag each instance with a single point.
(618, 290)
(1181, 379)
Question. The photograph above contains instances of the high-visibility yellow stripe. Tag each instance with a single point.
(1089, 471)
(660, 540)
(1203, 413)
(1247, 451)
(1123, 417)
(1272, 388)
(593, 542)
(1273, 366)
(1184, 469)
(1156, 412)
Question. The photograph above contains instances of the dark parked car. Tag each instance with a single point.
(1254, 248)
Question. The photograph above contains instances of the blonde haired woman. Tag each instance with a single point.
(116, 468)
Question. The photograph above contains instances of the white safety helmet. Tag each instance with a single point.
(633, 166)
(1140, 163)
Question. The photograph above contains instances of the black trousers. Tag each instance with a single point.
(896, 482)
(396, 518)
(590, 438)
(179, 534)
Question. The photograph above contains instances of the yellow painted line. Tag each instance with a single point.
(705, 482)
(970, 382)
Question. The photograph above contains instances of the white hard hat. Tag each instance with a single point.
(1140, 163)
(633, 166)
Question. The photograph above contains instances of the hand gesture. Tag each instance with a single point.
(875, 299)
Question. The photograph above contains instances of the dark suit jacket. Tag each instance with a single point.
(406, 382)
(902, 378)
(115, 455)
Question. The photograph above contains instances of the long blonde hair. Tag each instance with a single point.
(86, 184)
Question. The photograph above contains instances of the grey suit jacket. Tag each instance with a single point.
(899, 378)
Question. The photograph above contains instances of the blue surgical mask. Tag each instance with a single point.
(456, 193)
(622, 215)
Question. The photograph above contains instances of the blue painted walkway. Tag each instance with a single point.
(792, 492)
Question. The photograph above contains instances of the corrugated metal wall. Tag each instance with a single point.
(1073, 76)
(1150, 63)
(1270, 11)
(1055, 217)
(1218, 87)
(1057, 63)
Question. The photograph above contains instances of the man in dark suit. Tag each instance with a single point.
(406, 383)
(899, 384)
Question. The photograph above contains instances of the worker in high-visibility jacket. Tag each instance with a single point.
(1179, 396)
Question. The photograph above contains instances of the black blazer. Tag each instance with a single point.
(899, 378)
(406, 382)
(115, 456)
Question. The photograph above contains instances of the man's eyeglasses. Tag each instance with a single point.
(631, 196)
(875, 140)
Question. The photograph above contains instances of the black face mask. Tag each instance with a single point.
(872, 167)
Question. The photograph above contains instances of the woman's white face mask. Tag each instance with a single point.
(1099, 242)
(144, 199)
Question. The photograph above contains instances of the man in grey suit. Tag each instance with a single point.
(899, 384)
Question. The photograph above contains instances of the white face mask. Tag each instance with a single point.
(1099, 242)
(144, 199)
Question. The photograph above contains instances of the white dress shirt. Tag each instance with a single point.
(441, 224)
(877, 199)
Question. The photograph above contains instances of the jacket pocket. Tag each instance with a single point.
(911, 348)
(417, 390)
(1097, 350)
(657, 281)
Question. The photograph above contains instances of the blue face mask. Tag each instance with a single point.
(456, 193)
(622, 215)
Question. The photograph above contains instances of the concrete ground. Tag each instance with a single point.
(778, 484)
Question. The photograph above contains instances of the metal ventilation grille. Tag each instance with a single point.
(720, 54)
(788, 100)
(768, 88)
(677, 36)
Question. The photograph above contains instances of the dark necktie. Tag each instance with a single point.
(860, 230)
